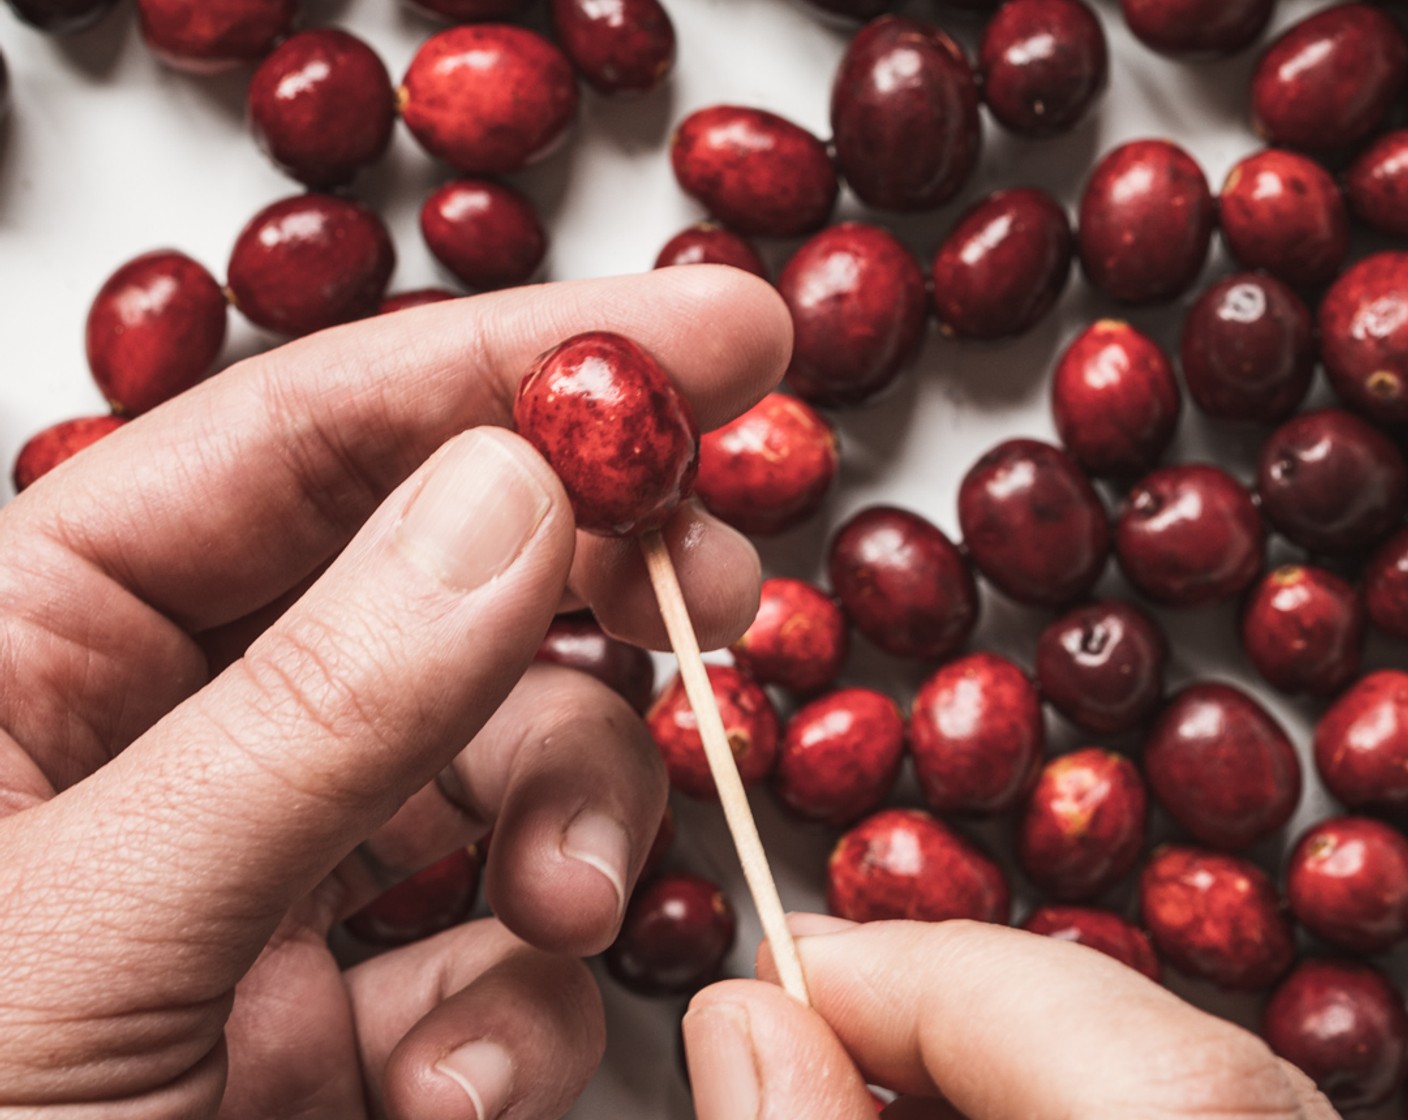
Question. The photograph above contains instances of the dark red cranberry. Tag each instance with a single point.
(154, 330)
(1003, 265)
(710, 243)
(417, 297)
(61, 17)
(1102, 666)
(904, 115)
(1190, 535)
(433, 899)
(1197, 28)
(623, 48)
(903, 863)
(1248, 349)
(576, 641)
(903, 584)
(489, 98)
(1361, 743)
(45, 450)
(208, 36)
(756, 172)
(1033, 524)
(840, 756)
(1376, 184)
(1115, 399)
(660, 846)
(1101, 930)
(1386, 586)
(1364, 337)
(797, 640)
(1146, 221)
(1332, 483)
(749, 720)
(1303, 629)
(1347, 881)
(858, 310)
(309, 262)
(1328, 81)
(487, 234)
(468, 11)
(1282, 213)
(1042, 65)
(675, 936)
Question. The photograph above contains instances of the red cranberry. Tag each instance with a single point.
(1248, 349)
(1042, 65)
(418, 297)
(1327, 82)
(840, 756)
(1197, 28)
(1361, 743)
(798, 639)
(154, 330)
(675, 936)
(615, 429)
(1102, 666)
(1101, 930)
(748, 718)
(626, 47)
(576, 641)
(468, 11)
(1347, 881)
(977, 735)
(1376, 184)
(310, 262)
(1282, 213)
(1146, 221)
(61, 17)
(660, 846)
(903, 863)
(434, 899)
(488, 235)
(903, 584)
(1115, 399)
(754, 171)
(1033, 525)
(1083, 826)
(490, 98)
(710, 243)
(1003, 265)
(1386, 586)
(1190, 535)
(208, 36)
(1303, 629)
(1344, 1025)
(1364, 337)
(47, 449)
(858, 308)
(904, 114)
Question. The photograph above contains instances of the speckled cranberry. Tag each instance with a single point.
(208, 36)
(487, 234)
(756, 172)
(1376, 184)
(1102, 666)
(1303, 629)
(1033, 524)
(1281, 213)
(903, 584)
(858, 312)
(154, 329)
(577, 642)
(45, 450)
(1190, 535)
(615, 429)
(840, 756)
(625, 48)
(710, 243)
(416, 297)
(904, 863)
(489, 98)
(433, 899)
(1115, 399)
(1364, 337)
(1197, 28)
(468, 11)
(1101, 930)
(1146, 221)
(675, 936)
(749, 720)
(1385, 584)
(61, 17)
(1329, 80)
(1347, 881)
(798, 639)
(1042, 65)
(904, 115)
(1361, 742)
(1248, 349)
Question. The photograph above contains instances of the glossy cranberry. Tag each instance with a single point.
(1190, 535)
(45, 450)
(1364, 337)
(1101, 930)
(208, 36)
(1332, 483)
(468, 11)
(154, 330)
(904, 115)
(1197, 28)
(1033, 524)
(1042, 65)
(1146, 221)
(1003, 265)
(625, 47)
(904, 863)
(660, 846)
(488, 98)
(858, 311)
(1115, 399)
(576, 641)
(710, 243)
(61, 17)
(840, 756)
(754, 171)
(309, 262)
(1361, 743)
(798, 639)
(1303, 628)
(903, 584)
(417, 297)
(1248, 349)
(433, 899)
(1282, 213)
(487, 234)
(749, 720)
(613, 426)
(1347, 881)
(1376, 184)
(1083, 826)
(1344, 1026)
(1385, 586)
(675, 936)
(1102, 666)
(1328, 81)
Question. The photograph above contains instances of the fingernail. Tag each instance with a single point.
(475, 512)
(485, 1072)
(599, 841)
(815, 925)
(723, 1067)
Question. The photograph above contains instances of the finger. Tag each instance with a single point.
(1314, 1104)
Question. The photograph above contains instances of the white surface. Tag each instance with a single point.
(107, 155)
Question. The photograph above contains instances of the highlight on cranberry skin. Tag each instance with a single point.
(212, 36)
(624, 49)
(488, 235)
(1303, 629)
(750, 722)
(1363, 321)
(575, 641)
(676, 933)
(1361, 742)
(710, 243)
(1347, 881)
(1102, 666)
(1102, 930)
(798, 640)
(1043, 64)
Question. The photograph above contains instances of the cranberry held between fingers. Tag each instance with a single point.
(577, 642)
(1042, 64)
(749, 720)
(1347, 881)
(621, 49)
(1303, 628)
(1361, 743)
(1197, 28)
(710, 243)
(208, 36)
(1364, 337)
(797, 640)
(617, 432)
(430, 901)
(675, 936)
(45, 450)
(840, 756)
(417, 297)
(1102, 666)
(1376, 184)
(1385, 584)
(154, 330)
(1101, 930)
(61, 17)
(487, 234)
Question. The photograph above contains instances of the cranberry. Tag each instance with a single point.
(1361, 743)
(434, 899)
(660, 846)
(1190, 535)
(675, 936)
(1303, 629)
(1101, 930)
(858, 309)
(904, 863)
(749, 720)
(613, 426)
(488, 235)
(489, 98)
(417, 297)
(154, 330)
(623, 48)
(903, 584)
(1197, 28)
(1083, 826)
(1115, 399)
(576, 641)
(769, 469)
(1248, 349)
(1348, 883)
(710, 243)
(468, 11)
(1042, 64)
(1364, 337)
(1033, 525)
(840, 756)
(1003, 265)
(1146, 220)
(1376, 184)
(904, 114)
(309, 262)
(754, 171)
(1386, 586)
(1102, 666)
(61, 17)
(1283, 214)
(45, 450)
(977, 735)
(208, 36)
(798, 638)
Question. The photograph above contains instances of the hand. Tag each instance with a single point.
(245, 641)
(974, 1021)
